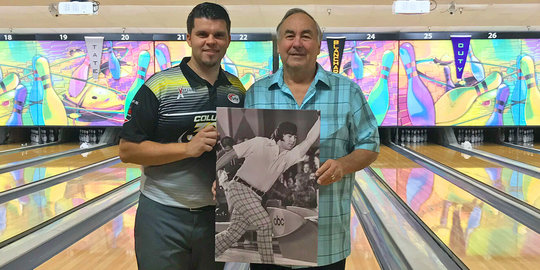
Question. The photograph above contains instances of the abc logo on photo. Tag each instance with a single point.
(279, 221)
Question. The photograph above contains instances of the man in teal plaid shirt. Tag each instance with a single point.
(349, 135)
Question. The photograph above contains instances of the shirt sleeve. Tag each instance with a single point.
(141, 119)
(243, 149)
(364, 129)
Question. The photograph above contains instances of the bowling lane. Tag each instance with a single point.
(112, 247)
(37, 152)
(27, 211)
(362, 256)
(10, 146)
(480, 235)
(521, 186)
(511, 153)
(30, 174)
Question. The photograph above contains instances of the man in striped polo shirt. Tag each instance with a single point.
(170, 130)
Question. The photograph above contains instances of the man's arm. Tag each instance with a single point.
(311, 137)
(154, 153)
(225, 159)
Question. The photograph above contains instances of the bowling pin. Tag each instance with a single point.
(379, 98)
(20, 99)
(419, 99)
(229, 66)
(10, 82)
(357, 64)
(36, 96)
(114, 64)
(54, 113)
(448, 75)
(163, 56)
(43, 135)
(532, 103)
(51, 135)
(92, 136)
(144, 61)
(79, 78)
(455, 103)
(511, 136)
(496, 118)
(477, 67)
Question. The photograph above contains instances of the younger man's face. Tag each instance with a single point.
(209, 40)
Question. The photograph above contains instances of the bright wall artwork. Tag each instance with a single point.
(407, 82)
(49, 83)
(248, 60)
(498, 88)
(373, 65)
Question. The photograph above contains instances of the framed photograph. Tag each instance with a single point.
(267, 193)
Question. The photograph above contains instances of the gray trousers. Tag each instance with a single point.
(174, 238)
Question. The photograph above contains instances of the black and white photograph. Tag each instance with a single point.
(266, 190)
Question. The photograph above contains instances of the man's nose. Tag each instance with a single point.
(297, 41)
(211, 39)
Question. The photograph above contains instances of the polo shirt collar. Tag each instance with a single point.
(322, 81)
(192, 75)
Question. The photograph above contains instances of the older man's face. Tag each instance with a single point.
(298, 42)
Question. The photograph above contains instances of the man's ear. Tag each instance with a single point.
(188, 39)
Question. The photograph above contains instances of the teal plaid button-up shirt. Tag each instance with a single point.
(347, 124)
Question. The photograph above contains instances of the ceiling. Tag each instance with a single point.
(168, 16)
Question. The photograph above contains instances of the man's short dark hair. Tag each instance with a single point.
(210, 11)
(282, 129)
(227, 141)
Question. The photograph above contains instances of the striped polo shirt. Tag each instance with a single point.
(172, 106)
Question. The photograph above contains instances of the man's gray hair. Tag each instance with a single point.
(293, 11)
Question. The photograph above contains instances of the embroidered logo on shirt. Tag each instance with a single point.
(234, 98)
(184, 90)
(128, 115)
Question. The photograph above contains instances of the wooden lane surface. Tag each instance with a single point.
(9, 146)
(516, 184)
(37, 152)
(362, 256)
(12, 179)
(481, 236)
(511, 153)
(112, 247)
(28, 211)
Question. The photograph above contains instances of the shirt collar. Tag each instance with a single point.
(189, 73)
(322, 81)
